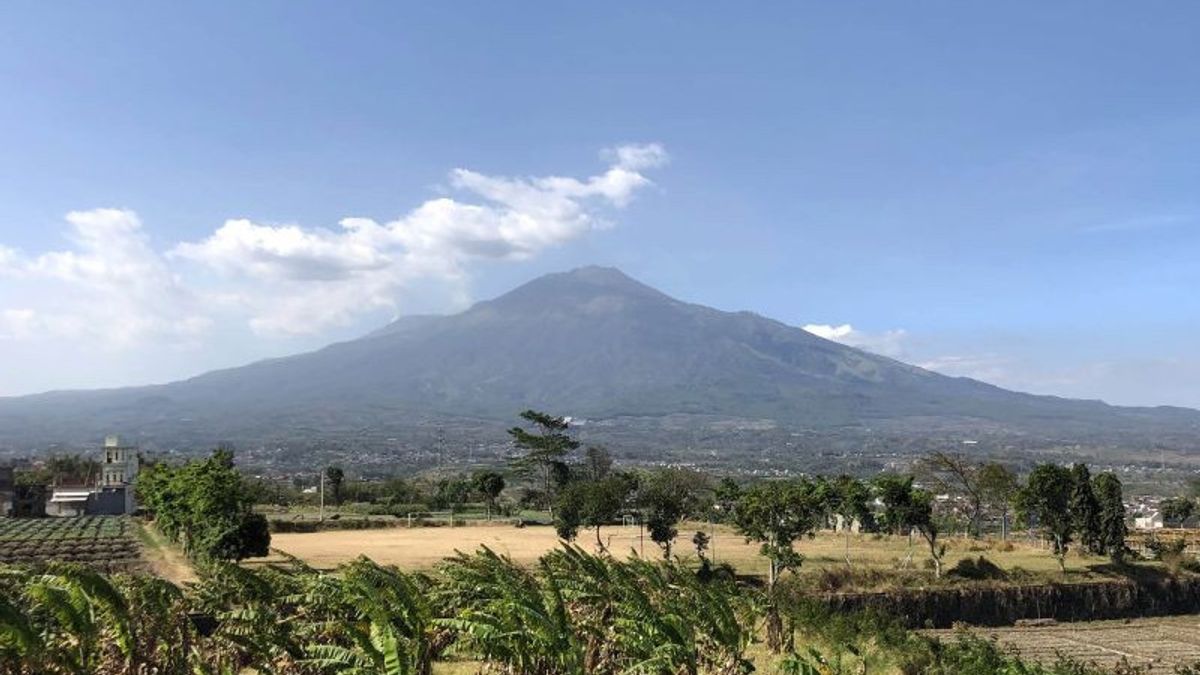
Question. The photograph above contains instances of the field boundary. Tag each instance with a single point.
(1004, 605)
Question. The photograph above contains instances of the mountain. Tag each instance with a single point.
(591, 343)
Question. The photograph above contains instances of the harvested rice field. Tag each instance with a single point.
(1160, 645)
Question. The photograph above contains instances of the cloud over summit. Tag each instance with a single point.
(291, 279)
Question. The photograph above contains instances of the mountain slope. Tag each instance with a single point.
(591, 343)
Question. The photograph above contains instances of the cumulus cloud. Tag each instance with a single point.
(888, 343)
(112, 287)
(290, 279)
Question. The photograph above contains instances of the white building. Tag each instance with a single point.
(110, 494)
(1154, 521)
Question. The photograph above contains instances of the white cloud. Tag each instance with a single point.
(17, 323)
(113, 286)
(990, 368)
(888, 343)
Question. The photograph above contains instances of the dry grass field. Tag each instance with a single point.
(422, 547)
(1161, 644)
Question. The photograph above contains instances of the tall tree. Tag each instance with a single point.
(775, 514)
(956, 474)
(999, 488)
(896, 493)
(665, 497)
(335, 477)
(1112, 516)
(489, 484)
(1045, 502)
(921, 518)
(545, 449)
(1085, 510)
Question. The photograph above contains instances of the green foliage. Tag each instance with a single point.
(776, 514)
(571, 614)
(1085, 510)
(205, 506)
(592, 503)
(666, 497)
(335, 477)
(1045, 502)
(578, 613)
(545, 449)
(896, 493)
(1113, 529)
(489, 484)
(1177, 510)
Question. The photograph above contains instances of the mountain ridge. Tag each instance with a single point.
(591, 342)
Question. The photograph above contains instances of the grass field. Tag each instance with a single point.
(422, 547)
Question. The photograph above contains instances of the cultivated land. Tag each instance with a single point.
(1159, 644)
(421, 548)
(102, 541)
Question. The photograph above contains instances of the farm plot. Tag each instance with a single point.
(104, 541)
(1160, 645)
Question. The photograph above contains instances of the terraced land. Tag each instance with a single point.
(108, 542)
(1160, 645)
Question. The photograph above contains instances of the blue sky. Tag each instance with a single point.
(1002, 191)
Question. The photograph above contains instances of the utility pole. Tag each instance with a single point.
(322, 516)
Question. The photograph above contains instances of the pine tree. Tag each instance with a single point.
(545, 451)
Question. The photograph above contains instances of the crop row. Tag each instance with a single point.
(83, 527)
(104, 541)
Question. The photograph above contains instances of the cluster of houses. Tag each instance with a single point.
(109, 492)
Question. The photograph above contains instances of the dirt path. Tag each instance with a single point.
(163, 557)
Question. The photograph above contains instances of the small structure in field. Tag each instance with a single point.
(109, 494)
(1154, 521)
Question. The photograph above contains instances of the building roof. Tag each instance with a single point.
(69, 496)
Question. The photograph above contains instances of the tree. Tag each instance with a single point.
(1045, 502)
(489, 484)
(206, 506)
(896, 494)
(849, 498)
(956, 474)
(665, 498)
(1177, 510)
(592, 504)
(775, 514)
(451, 493)
(725, 498)
(335, 476)
(920, 515)
(998, 486)
(1112, 516)
(908, 509)
(1085, 511)
(545, 449)
(597, 463)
